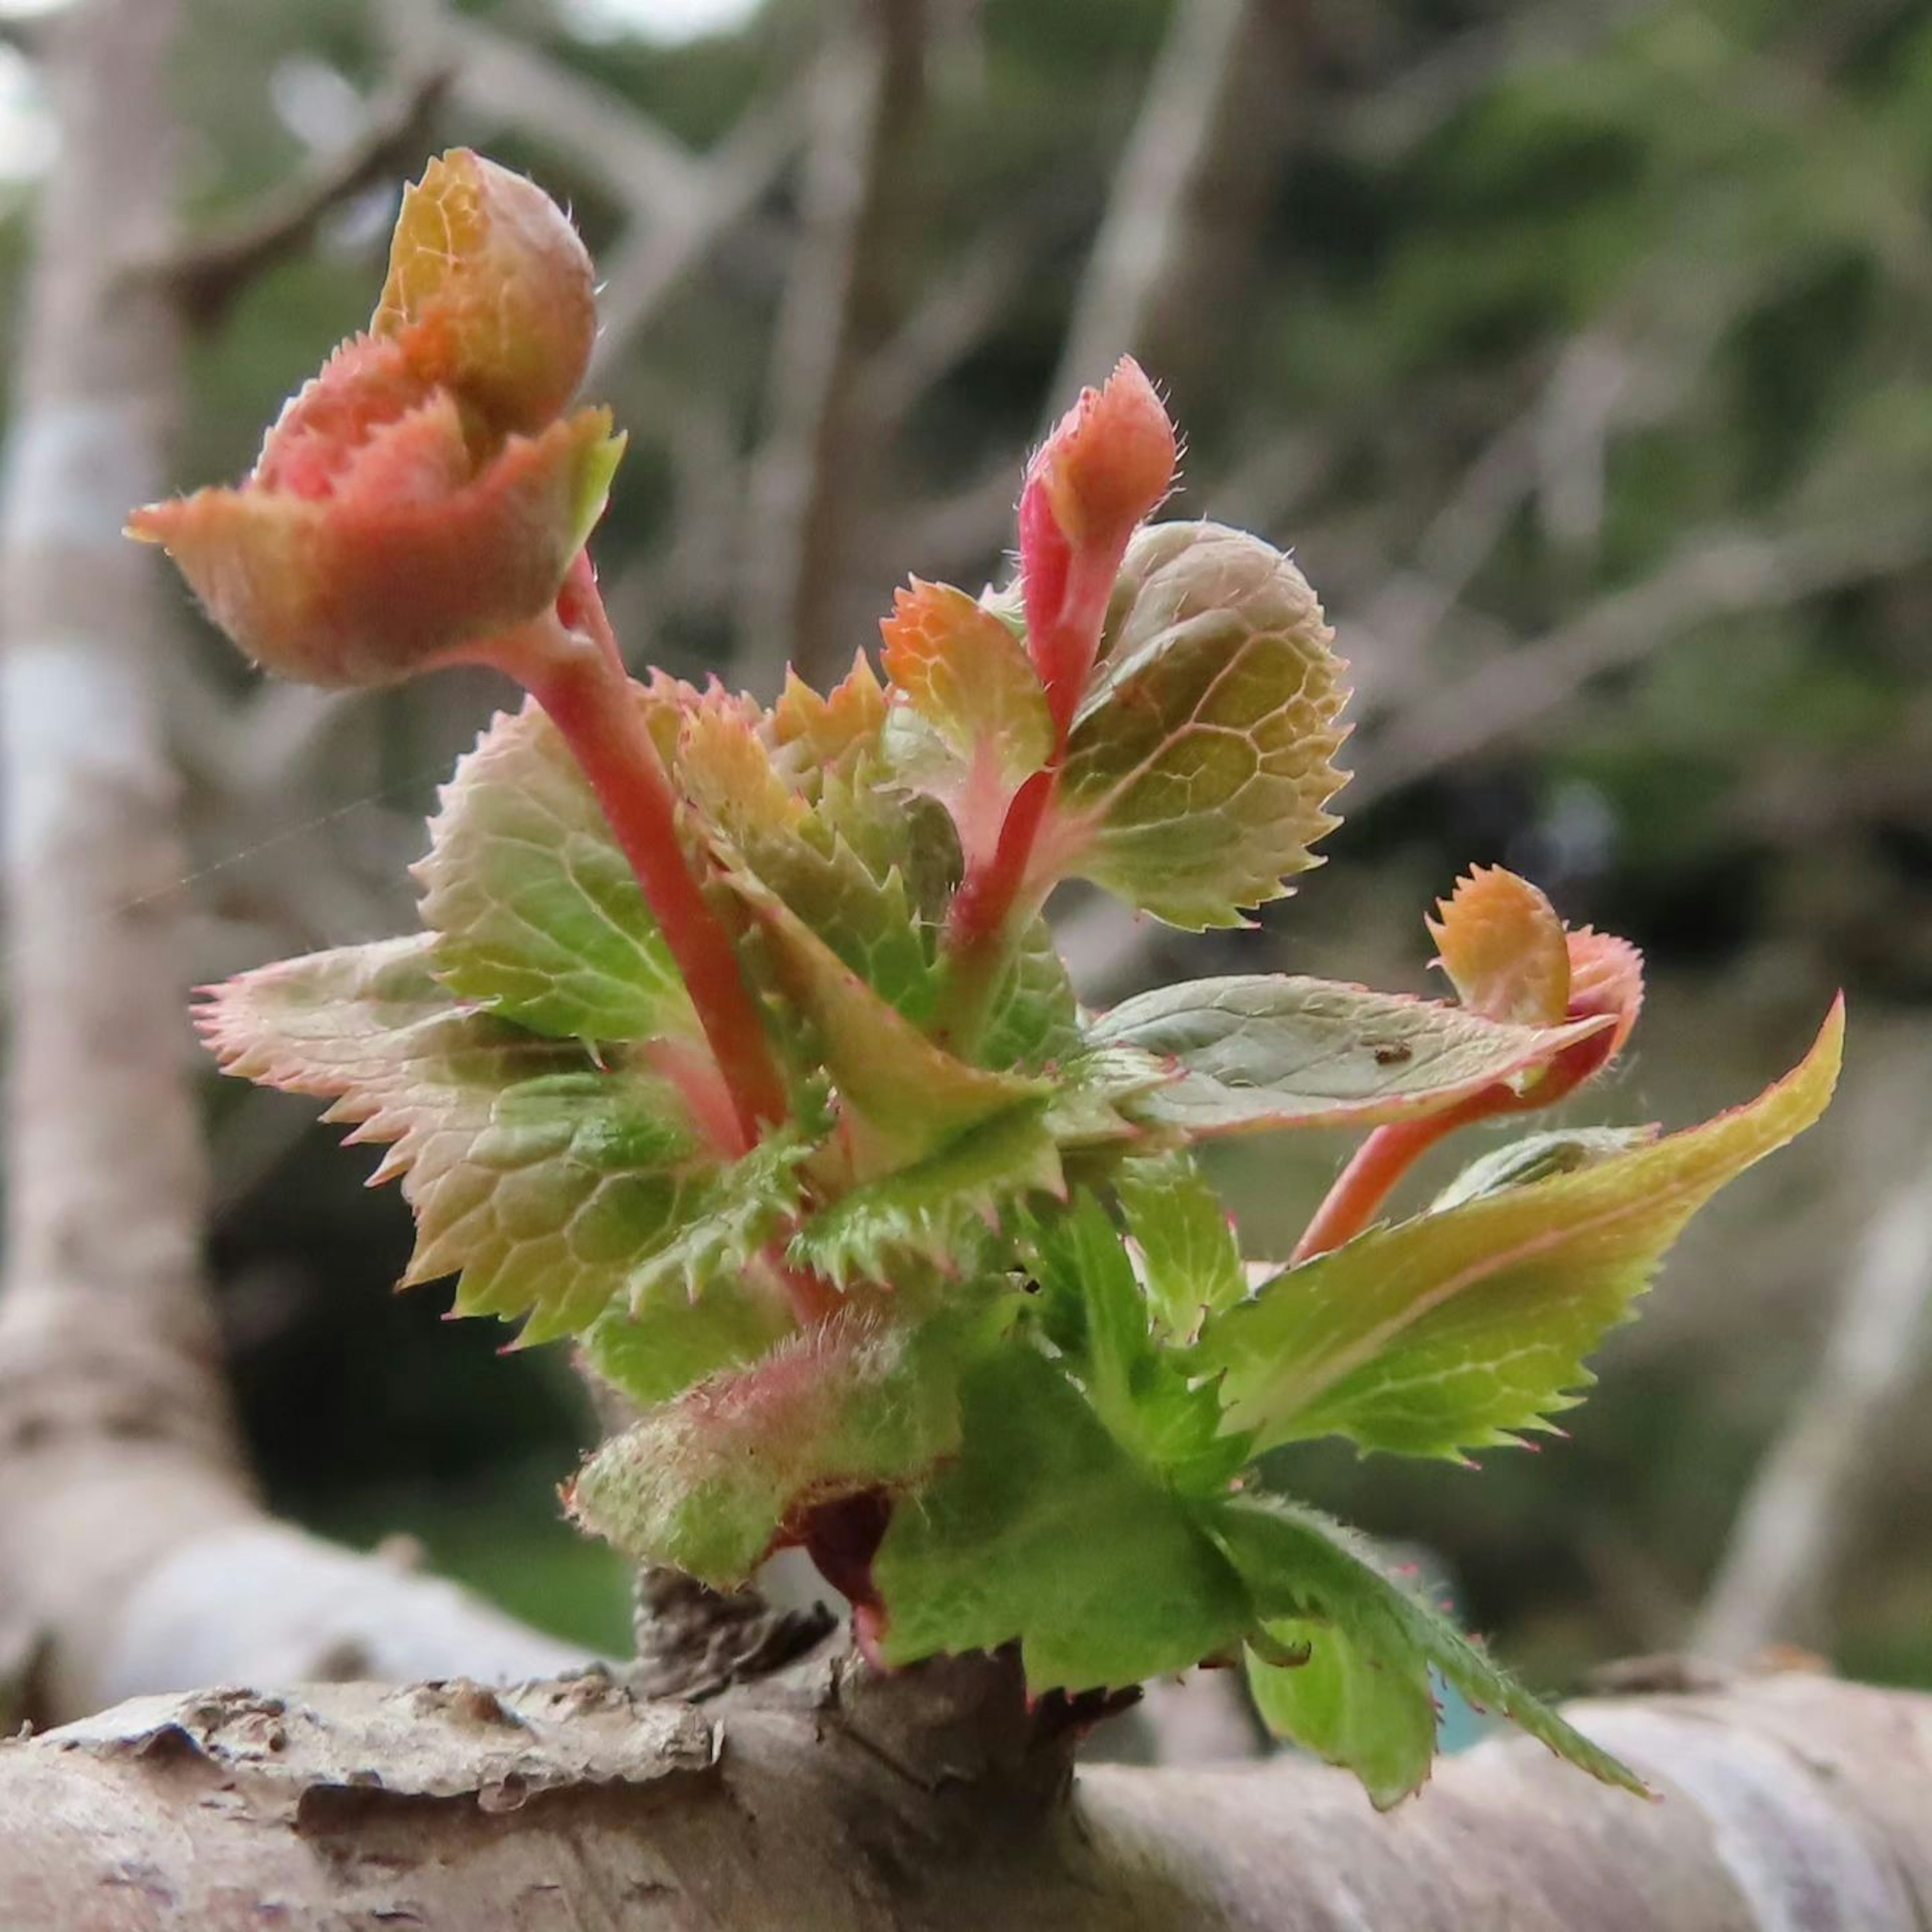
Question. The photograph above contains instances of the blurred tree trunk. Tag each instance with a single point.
(134, 1553)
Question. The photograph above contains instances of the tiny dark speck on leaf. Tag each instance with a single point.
(1393, 1053)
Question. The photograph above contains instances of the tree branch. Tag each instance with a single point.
(207, 271)
(935, 1800)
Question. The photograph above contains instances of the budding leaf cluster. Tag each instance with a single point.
(733, 1046)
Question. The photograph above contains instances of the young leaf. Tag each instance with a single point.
(1539, 1157)
(1457, 1330)
(1345, 1704)
(971, 723)
(556, 1183)
(815, 735)
(1044, 1531)
(1190, 1259)
(772, 831)
(651, 1353)
(939, 1210)
(914, 1096)
(1503, 947)
(538, 916)
(705, 1483)
(1256, 1052)
(1302, 1568)
(1095, 1312)
(1201, 763)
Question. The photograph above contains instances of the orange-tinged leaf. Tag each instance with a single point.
(1503, 947)
(490, 291)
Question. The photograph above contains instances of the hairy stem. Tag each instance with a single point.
(591, 700)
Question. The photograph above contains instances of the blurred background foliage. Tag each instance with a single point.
(1582, 349)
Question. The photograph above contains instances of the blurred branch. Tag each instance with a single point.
(494, 75)
(645, 268)
(1720, 575)
(866, 100)
(1188, 196)
(209, 270)
(1775, 1580)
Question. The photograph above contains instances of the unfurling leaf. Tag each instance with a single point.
(1254, 1051)
(706, 1482)
(971, 725)
(1202, 760)
(539, 917)
(1457, 1330)
(555, 1182)
(490, 292)
(1189, 1258)
(1305, 1570)
(1502, 946)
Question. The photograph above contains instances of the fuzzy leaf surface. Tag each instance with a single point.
(554, 1182)
(1346, 1706)
(1255, 1051)
(1045, 1531)
(1456, 1329)
(1301, 1568)
(1201, 761)
(942, 1209)
(705, 1483)
(655, 1351)
(539, 915)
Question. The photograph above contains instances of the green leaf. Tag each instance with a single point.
(1201, 761)
(1036, 1019)
(555, 1181)
(971, 724)
(1045, 1532)
(705, 1483)
(1093, 1309)
(914, 1095)
(1190, 1256)
(654, 1352)
(1257, 1052)
(1456, 1329)
(941, 1209)
(798, 852)
(817, 736)
(1346, 1704)
(539, 915)
(1303, 1569)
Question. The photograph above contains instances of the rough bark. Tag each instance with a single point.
(128, 1525)
(828, 1800)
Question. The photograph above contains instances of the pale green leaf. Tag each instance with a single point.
(539, 915)
(704, 1483)
(1189, 1258)
(1456, 1329)
(1045, 1531)
(1349, 1705)
(1202, 760)
(1093, 1308)
(655, 1351)
(554, 1181)
(1036, 1019)
(1256, 1052)
(1302, 1568)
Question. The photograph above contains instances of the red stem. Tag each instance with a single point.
(1379, 1163)
(591, 700)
